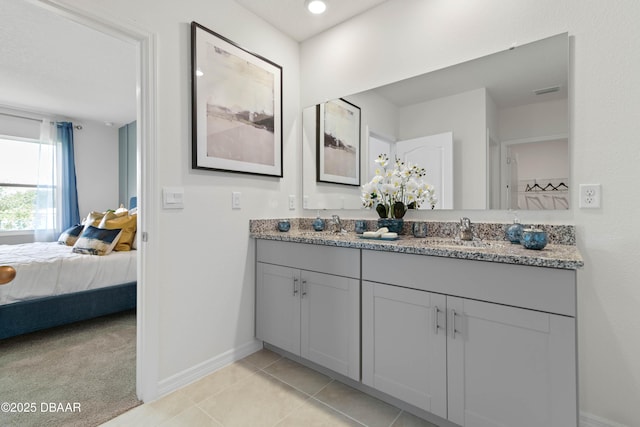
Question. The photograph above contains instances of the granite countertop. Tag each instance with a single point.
(554, 255)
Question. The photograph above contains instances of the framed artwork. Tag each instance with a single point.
(236, 107)
(338, 142)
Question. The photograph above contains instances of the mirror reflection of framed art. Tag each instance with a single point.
(338, 142)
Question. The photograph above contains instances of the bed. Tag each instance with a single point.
(55, 286)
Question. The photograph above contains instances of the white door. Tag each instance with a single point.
(509, 366)
(331, 322)
(278, 306)
(377, 145)
(435, 154)
(404, 345)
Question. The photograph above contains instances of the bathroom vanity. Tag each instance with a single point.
(480, 335)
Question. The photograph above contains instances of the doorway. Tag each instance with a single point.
(147, 329)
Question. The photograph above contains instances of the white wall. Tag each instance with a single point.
(205, 259)
(542, 160)
(402, 38)
(96, 152)
(533, 120)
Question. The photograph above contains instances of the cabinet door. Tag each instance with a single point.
(404, 345)
(509, 366)
(331, 322)
(278, 306)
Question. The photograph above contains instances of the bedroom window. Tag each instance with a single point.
(20, 178)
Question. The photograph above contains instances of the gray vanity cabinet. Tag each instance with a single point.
(308, 303)
(473, 361)
(404, 348)
(509, 366)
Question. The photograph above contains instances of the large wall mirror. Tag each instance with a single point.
(492, 132)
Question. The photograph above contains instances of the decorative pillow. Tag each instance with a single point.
(93, 218)
(70, 235)
(126, 223)
(97, 241)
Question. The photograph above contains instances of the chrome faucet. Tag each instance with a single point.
(335, 220)
(465, 229)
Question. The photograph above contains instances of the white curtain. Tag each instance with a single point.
(47, 219)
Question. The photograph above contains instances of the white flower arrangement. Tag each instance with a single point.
(394, 190)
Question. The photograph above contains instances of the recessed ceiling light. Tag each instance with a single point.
(316, 6)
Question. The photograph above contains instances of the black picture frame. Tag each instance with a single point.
(338, 142)
(236, 111)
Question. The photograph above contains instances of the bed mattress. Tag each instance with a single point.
(49, 269)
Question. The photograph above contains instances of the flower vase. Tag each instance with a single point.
(394, 225)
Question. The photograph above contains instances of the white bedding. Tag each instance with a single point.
(48, 268)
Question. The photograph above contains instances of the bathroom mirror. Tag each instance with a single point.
(506, 116)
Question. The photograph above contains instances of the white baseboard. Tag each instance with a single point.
(207, 367)
(590, 420)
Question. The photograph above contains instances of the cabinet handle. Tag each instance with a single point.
(304, 288)
(295, 286)
(453, 324)
(436, 314)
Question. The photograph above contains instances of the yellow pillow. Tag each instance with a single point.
(93, 218)
(127, 223)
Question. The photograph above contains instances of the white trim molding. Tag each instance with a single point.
(590, 420)
(207, 367)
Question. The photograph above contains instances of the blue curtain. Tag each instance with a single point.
(70, 214)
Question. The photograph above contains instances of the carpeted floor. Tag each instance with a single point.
(76, 375)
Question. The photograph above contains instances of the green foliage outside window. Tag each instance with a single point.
(17, 208)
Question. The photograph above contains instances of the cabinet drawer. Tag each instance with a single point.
(323, 259)
(538, 288)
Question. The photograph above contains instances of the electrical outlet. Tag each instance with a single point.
(292, 202)
(590, 196)
(235, 200)
(305, 202)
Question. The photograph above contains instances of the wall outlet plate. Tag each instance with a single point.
(292, 202)
(235, 200)
(590, 196)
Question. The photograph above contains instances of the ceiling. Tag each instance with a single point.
(49, 64)
(292, 18)
(510, 76)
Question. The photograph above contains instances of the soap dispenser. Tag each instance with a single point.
(514, 231)
(318, 223)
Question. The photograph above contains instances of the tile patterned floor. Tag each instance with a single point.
(265, 389)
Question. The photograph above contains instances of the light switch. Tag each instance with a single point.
(172, 197)
(235, 200)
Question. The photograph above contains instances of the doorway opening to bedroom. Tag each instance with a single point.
(99, 189)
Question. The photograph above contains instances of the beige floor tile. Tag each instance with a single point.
(262, 358)
(409, 420)
(259, 400)
(298, 376)
(363, 408)
(191, 417)
(316, 414)
(154, 413)
(216, 382)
